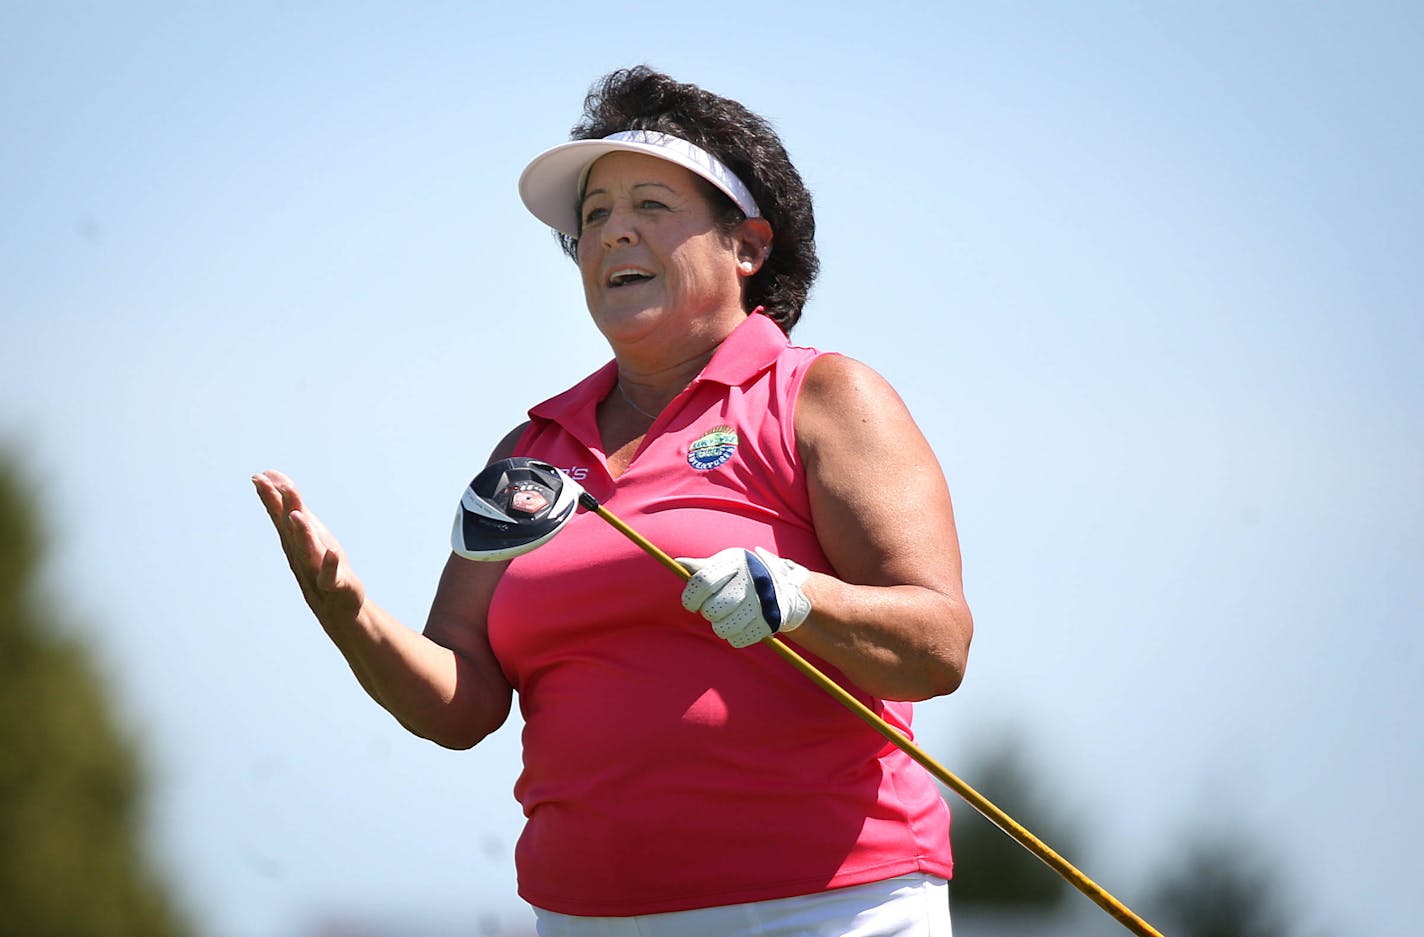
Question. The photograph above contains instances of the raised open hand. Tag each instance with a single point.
(333, 591)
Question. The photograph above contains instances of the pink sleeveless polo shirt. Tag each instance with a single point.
(665, 770)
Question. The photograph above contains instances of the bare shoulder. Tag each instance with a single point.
(866, 460)
(846, 402)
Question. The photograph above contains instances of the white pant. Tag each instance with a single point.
(909, 906)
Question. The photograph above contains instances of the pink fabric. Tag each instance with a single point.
(663, 769)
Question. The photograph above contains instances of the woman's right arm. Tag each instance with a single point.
(444, 685)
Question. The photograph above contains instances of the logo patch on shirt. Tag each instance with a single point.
(712, 448)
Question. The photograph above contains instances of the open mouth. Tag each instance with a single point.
(627, 277)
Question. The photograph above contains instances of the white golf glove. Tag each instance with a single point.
(745, 595)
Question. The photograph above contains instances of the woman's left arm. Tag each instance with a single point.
(893, 618)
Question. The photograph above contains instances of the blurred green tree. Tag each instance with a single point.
(1221, 885)
(991, 870)
(71, 857)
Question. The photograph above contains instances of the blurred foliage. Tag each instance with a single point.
(1213, 882)
(990, 868)
(1221, 885)
(71, 857)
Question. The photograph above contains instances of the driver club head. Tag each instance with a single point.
(512, 507)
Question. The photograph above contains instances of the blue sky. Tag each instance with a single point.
(1147, 275)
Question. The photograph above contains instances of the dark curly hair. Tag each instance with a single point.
(643, 99)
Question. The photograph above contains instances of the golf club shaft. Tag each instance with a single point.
(1003, 821)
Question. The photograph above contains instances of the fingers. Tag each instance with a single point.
(341, 592)
(328, 577)
(314, 555)
(739, 622)
(282, 482)
(767, 557)
(708, 576)
(319, 530)
(746, 595)
(301, 540)
(749, 635)
(271, 498)
(284, 506)
(306, 544)
(278, 493)
(718, 590)
(279, 496)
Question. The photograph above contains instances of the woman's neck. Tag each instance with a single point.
(651, 385)
(651, 374)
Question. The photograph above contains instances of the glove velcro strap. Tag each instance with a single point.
(765, 587)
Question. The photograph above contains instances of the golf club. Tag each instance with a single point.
(516, 505)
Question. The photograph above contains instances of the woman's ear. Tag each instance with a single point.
(753, 245)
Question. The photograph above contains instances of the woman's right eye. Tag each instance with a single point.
(594, 214)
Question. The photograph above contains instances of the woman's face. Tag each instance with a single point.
(650, 252)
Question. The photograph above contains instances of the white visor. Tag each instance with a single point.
(552, 183)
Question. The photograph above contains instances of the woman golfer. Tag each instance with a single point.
(679, 778)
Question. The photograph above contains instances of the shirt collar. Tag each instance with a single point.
(751, 348)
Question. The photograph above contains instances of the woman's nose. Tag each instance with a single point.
(619, 227)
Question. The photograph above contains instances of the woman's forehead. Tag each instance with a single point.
(623, 170)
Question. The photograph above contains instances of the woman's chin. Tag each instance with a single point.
(625, 323)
